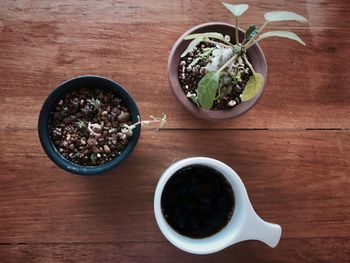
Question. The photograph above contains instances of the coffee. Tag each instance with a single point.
(197, 201)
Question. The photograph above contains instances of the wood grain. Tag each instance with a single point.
(291, 150)
(289, 250)
(298, 179)
(330, 14)
(307, 87)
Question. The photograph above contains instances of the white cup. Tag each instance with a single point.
(244, 224)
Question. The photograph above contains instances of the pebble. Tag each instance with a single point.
(189, 69)
(104, 113)
(115, 111)
(202, 70)
(83, 142)
(182, 63)
(123, 116)
(65, 143)
(91, 141)
(95, 149)
(231, 103)
(106, 149)
(237, 88)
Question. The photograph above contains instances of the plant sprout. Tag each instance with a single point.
(127, 130)
(226, 61)
(95, 103)
(81, 124)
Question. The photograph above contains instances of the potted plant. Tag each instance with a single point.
(218, 71)
(90, 124)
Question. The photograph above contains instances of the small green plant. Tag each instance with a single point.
(93, 158)
(127, 130)
(81, 124)
(95, 103)
(226, 63)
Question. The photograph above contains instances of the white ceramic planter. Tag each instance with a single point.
(245, 224)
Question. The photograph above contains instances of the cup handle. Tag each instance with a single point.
(257, 229)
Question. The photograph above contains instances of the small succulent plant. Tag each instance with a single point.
(226, 62)
(95, 103)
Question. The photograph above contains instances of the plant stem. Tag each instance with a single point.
(216, 43)
(250, 42)
(248, 63)
(227, 63)
(145, 122)
(236, 30)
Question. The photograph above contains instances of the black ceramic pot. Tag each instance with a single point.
(46, 113)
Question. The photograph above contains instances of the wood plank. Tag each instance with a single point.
(307, 87)
(289, 250)
(298, 179)
(295, 177)
(320, 13)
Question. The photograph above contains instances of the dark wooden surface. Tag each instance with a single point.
(292, 150)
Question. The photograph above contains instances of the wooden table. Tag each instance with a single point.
(291, 150)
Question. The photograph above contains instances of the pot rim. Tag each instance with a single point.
(45, 115)
(213, 115)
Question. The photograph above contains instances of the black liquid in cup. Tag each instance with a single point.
(197, 201)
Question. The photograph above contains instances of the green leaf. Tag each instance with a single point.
(286, 34)
(236, 10)
(195, 61)
(93, 158)
(206, 53)
(284, 16)
(195, 100)
(252, 88)
(251, 32)
(206, 90)
(195, 42)
(205, 35)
